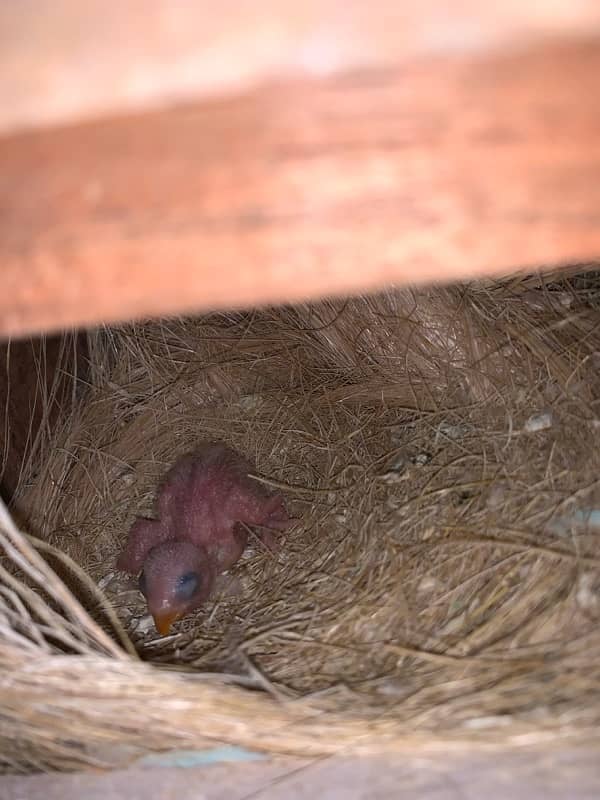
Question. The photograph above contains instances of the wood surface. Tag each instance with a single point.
(528, 773)
(67, 60)
(445, 168)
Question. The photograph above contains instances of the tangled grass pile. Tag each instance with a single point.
(439, 450)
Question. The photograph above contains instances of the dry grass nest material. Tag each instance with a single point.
(439, 449)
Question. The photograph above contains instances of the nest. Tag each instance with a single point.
(439, 451)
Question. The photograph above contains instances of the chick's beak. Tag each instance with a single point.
(163, 621)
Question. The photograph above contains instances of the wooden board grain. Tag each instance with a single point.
(67, 60)
(526, 774)
(444, 168)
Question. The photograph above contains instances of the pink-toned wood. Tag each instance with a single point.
(444, 168)
(68, 59)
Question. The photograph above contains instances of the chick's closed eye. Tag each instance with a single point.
(188, 585)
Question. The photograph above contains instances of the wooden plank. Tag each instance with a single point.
(525, 774)
(64, 60)
(441, 169)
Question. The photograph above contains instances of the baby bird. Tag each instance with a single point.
(202, 500)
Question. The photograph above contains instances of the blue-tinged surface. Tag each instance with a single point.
(199, 758)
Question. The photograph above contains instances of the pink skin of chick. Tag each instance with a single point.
(203, 504)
